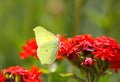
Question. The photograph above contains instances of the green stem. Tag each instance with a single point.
(28, 16)
(109, 6)
(77, 16)
(96, 79)
(100, 75)
(88, 77)
(49, 75)
(78, 78)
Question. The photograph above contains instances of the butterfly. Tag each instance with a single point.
(48, 45)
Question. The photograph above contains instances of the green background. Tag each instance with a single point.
(66, 17)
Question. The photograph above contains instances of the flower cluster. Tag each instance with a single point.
(72, 47)
(108, 49)
(29, 49)
(82, 50)
(20, 74)
(88, 50)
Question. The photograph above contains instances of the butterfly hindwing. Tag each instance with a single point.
(48, 52)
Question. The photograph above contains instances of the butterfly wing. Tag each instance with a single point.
(47, 52)
(47, 45)
(42, 35)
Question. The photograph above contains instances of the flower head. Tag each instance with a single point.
(72, 47)
(16, 72)
(105, 47)
(29, 49)
(83, 49)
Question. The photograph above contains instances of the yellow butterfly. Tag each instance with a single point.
(48, 45)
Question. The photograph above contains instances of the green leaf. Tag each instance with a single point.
(73, 76)
(67, 74)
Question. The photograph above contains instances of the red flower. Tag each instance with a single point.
(29, 49)
(2, 77)
(34, 74)
(85, 42)
(26, 76)
(62, 47)
(115, 65)
(72, 47)
(88, 61)
(16, 70)
(115, 61)
(105, 48)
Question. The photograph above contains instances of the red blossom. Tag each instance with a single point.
(2, 77)
(27, 76)
(16, 70)
(85, 41)
(29, 49)
(105, 47)
(88, 61)
(62, 47)
(115, 65)
(102, 47)
(72, 47)
(34, 73)
(115, 62)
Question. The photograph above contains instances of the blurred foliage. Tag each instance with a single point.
(66, 17)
